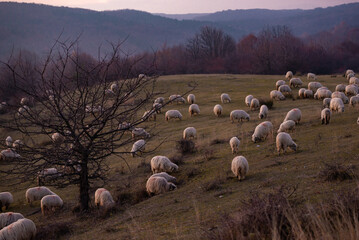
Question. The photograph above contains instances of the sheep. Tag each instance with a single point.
(283, 141)
(166, 176)
(57, 138)
(37, 193)
(285, 89)
(340, 88)
(125, 126)
(142, 76)
(311, 76)
(93, 109)
(295, 114)
(162, 164)
(325, 115)
(189, 132)
(326, 102)
(308, 94)
(322, 93)
(263, 112)
(225, 98)
(109, 94)
(348, 71)
(114, 87)
(3, 107)
(149, 115)
(103, 199)
(9, 154)
(286, 126)
(358, 121)
(354, 100)
(314, 86)
(191, 98)
(234, 143)
(301, 92)
(177, 99)
(157, 107)
(217, 110)
(158, 185)
(6, 199)
(51, 203)
(140, 133)
(17, 144)
(47, 173)
(279, 83)
(240, 167)
(262, 131)
(193, 109)
(254, 104)
(351, 90)
(173, 114)
(8, 141)
(138, 146)
(277, 95)
(337, 105)
(22, 110)
(248, 100)
(295, 82)
(289, 75)
(8, 218)
(239, 115)
(340, 95)
(159, 100)
(23, 229)
(25, 101)
(354, 80)
(350, 75)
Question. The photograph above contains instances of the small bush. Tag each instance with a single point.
(266, 101)
(52, 230)
(218, 141)
(177, 159)
(336, 171)
(186, 146)
(193, 172)
(213, 184)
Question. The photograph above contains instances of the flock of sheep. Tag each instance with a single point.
(15, 226)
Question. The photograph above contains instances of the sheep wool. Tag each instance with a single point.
(162, 164)
(351, 90)
(337, 105)
(37, 193)
(254, 104)
(158, 185)
(283, 141)
(289, 75)
(8, 218)
(354, 80)
(166, 176)
(217, 110)
(225, 98)
(103, 199)
(239, 115)
(140, 133)
(262, 131)
(138, 146)
(295, 82)
(191, 98)
(149, 115)
(23, 229)
(173, 114)
(341, 95)
(263, 112)
(301, 92)
(354, 100)
(311, 76)
(189, 133)
(234, 143)
(285, 90)
(295, 114)
(286, 126)
(8, 154)
(325, 115)
(248, 100)
(314, 86)
(193, 109)
(279, 83)
(6, 199)
(277, 95)
(57, 138)
(8, 141)
(326, 102)
(240, 167)
(308, 94)
(51, 203)
(340, 88)
(159, 100)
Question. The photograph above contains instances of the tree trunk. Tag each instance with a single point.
(84, 187)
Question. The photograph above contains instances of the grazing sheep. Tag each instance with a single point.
(354, 80)
(189, 132)
(22, 110)
(166, 176)
(149, 115)
(217, 110)
(8, 155)
(140, 133)
(234, 143)
(138, 146)
(348, 71)
(340, 88)
(239, 115)
(159, 100)
(26, 101)
(37, 193)
(326, 102)
(22, 229)
(295, 114)
(325, 115)
(114, 87)
(350, 75)
(47, 173)
(177, 99)
(279, 83)
(17, 144)
(51, 203)
(283, 141)
(354, 100)
(240, 167)
(301, 92)
(103, 199)
(286, 126)
(340, 95)
(6, 199)
(262, 131)
(57, 138)
(157, 107)
(191, 98)
(8, 141)
(173, 114)
(314, 86)
(225, 98)
(311, 76)
(124, 126)
(162, 164)
(337, 105)
(351, 90)
(193, 109)
(248, 100)
(308, 93)
(277, 95)
(142, 76)
(158, 185)
(322, 93)
(285, 89)
(263, 112)
(289, 75)
(295, 82)
(8, 218)
(254, 104)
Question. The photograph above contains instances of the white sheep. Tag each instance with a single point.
(191, 98)
(17, 144)
(25, 101)
(314, 86)
(248, 100)
(283, 141)
(124, 126)
(240, 167)
(234, 143)
(263, 112)
(170, 114)
(325, 115)
(9, 154)
(193, 109)
(261, 131)
(162, 164)
(295, 82)
(37, 193)
(279, 83)
(351, 90)
(289, 75)
(337, 105)
(189, 132)
(57, 138)
(254, 104)
(103, 199)
(140, 133)
(286, 126)
(340, 88)
(157, 107)
(225, 98)
(285, 90)
(326, 102)
(166, 176)
(295, 114)
(308, 93)
(340, 95)
(159, 100)
(149, 115)
(354, 100)
(158, 185)
(114, 87)
(301, 92)
(217, 110)
(51, 203)
(8, 141)
(8, 218)
(354, 80)
(277, 95)
(47, 173)
(138, 146)
(22, 110)
(322, 93)
(239, 115)
(177, 99)
(350, 75)
(22, 229)
(6, 199)
(348, 71)
(311, 76)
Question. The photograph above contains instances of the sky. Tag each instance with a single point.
(189, 6)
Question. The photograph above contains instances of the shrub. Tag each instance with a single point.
(52, 230)
(337, 171)
(266, 101)
(186, 146)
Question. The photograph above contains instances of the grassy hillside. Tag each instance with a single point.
(206, 187)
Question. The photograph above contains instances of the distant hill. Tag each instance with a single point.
(188, 16)
(35, 27)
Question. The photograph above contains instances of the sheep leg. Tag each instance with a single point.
(7, 206)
